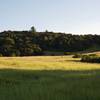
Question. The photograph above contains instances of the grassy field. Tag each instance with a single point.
(46, 63)
(48, 78)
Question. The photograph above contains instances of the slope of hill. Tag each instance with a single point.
(29, 43)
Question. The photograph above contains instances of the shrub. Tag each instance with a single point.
(68, 53)
(13, 55)
(92, 55)
(1, 55)
(77, 56)
(90, 58)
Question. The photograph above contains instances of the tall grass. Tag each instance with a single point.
(49, 85)
(46, 63)
(48, 78)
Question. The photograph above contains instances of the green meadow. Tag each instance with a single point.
(48, 78)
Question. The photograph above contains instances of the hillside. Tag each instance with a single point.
(32, 43)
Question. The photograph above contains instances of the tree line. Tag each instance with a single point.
(30, 43)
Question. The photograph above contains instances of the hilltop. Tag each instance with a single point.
(32, 43)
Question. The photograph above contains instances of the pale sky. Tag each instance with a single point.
(70, 16)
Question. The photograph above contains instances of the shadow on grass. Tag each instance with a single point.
(49, 85)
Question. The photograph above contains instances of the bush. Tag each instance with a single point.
(1, 55)
(13, 55)
(92, 55)
(90, 58)
(68, 53)
(77, 56)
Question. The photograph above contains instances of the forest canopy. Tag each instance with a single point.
(30, 43)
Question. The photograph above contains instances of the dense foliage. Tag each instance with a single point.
(27, 43)
(90, 58)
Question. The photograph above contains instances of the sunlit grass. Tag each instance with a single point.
(48, 78)
(46, 63)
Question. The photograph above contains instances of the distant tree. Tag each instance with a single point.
(7, 47)
(33, 30)
(46, 31)
(9, 41)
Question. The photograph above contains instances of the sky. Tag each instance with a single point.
(69, 16)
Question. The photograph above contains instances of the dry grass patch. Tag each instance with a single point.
(46, 63)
